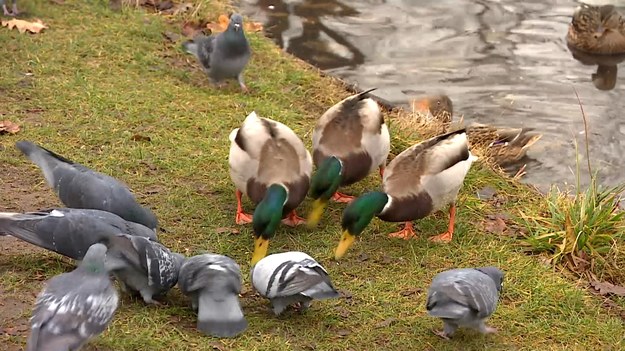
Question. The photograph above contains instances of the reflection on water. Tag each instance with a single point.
(502, 62)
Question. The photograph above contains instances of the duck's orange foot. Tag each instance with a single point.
(293, 220)
(442, 238)
(243, 218)
(338, 197)
(406, 233)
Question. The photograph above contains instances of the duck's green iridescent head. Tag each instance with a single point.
(324, 183)
(267, 217)
(356, 216)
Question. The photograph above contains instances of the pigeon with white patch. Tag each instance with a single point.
(140, 264)
(292, 277)
(69, 231)
(80, 187)
(465, 298)
(214, 282)
(224, 55)
(74, 307)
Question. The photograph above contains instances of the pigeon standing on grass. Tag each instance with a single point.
(291, 277)
(81, 187)
(224, 55)
(214, 282)
(139, 263)
(69, 231)
(465, 297)
(74, 307)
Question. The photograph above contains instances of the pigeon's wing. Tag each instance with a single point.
(205, 48)
(161, 265)
(72, 309)
(469, 288)
(217, 281)
(210, 272)
(293, 278)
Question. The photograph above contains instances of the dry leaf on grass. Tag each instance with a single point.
(606, 288)
(191, 29)
(139, 137)
(495, 225)
(23, 26)
(178, 9)
(385, 323)
(9, 127)
(222, 24)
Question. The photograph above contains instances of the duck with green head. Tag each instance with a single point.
(350, 141)
(421, 180)
(269, 164)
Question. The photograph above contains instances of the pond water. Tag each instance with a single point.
(503, 62)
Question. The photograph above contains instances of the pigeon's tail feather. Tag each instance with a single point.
(42, 157)
(322, 291)
(22, 226)
(279, 304)
(449, 310)
(220, 317)
(191, 47)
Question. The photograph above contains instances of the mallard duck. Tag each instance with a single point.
(597, 30)
(270, 164)
(350, 140)
(503, 145)
(421, 180)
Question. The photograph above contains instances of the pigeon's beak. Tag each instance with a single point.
(318, 207)
(260, 249)
(237, 27)
(347, 239)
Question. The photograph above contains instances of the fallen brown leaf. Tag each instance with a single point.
(412, 291)
(216, 345)
(495, 225)
(139, 137)
(606, 288)
(178, 9)
(345, 294)
(223, 21)
(191, 29)
(23, 26)
(363, 257)
(9, 127)
(385, 323)
(343, 332)
(343, 312)
(171, 36)
(228, 230)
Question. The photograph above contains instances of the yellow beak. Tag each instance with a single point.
(260, 249)
(347, 239)
(314, 216)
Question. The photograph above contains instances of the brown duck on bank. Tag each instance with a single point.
(503, 145)
(597, 30)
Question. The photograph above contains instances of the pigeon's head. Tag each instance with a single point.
(142, 215)
(94, 259)
(267, 217)
(324, 183)
(495, 274)
(236, 22)
(356, 216)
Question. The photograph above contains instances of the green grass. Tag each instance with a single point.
(99, 77)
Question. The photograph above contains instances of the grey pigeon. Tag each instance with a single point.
(69, 231)
(214, 282)
(74, 307)
(139, 263)
(81, 187)
(465, 297)
(5, 9)
(224, 55)
(291, 277)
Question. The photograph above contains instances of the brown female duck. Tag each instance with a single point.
(597, 30)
